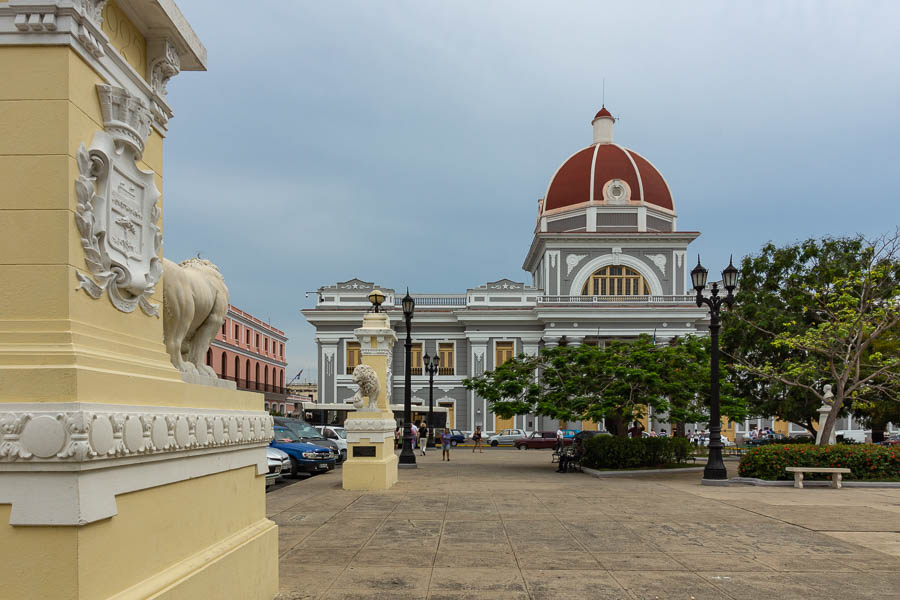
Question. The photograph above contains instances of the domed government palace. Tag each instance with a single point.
(607, 261)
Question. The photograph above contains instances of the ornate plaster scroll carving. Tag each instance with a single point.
(92, 9)
(74, 433)
(389, 378)
(478, 354)
(365, 377)
(195, 300)
(572, 261)
(118, 213)
(553, 255)
(163, 63)
(659, 260)
(329, 354)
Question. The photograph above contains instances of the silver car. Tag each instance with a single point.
(506, 437)
(279, 463)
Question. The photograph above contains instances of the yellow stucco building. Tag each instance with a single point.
(117, 479)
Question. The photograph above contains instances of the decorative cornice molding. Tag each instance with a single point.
(78, 435)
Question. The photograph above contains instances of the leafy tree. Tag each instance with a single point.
(613, 383)
(800, 326)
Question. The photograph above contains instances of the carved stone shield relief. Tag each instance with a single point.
(118, 210)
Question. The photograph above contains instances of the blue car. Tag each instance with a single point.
(305, 458)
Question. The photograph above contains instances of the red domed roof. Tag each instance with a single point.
(600, 163)
(603, 113)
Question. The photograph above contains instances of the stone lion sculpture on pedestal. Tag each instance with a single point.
(365, 377)
(195, 301)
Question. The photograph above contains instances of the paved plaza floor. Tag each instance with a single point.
(504, 524)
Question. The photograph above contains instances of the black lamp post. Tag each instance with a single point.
(431, 367)
(407, 456)
(715, 467)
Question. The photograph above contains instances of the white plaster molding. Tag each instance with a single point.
(659, 260)
(76, 436)
(572, 261)
(599, 262)
(679, 258)
(77, 24)
(118, 218)
(76, 498)
(373, 430)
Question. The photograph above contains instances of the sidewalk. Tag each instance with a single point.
(506, 525)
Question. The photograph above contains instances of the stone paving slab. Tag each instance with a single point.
(504, 524)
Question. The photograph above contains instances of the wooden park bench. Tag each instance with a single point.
(836, 474)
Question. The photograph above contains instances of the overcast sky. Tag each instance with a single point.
(407, 143)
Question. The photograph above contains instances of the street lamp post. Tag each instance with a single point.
(714, 472)
(431, 367)
(407, 456)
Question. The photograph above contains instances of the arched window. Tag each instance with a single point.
(256, 379)
(224, 365)
(247, 374)
(209, 357)
(282, 378)
(266, 377)
(237, 368)
(615, 281)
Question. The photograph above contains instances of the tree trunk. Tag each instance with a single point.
(878, 432)
(678, 429)
(832, 418)
(616, 426)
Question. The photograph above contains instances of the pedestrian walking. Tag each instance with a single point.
(415, 435)
(423, 437)
(445, 445)
(559, 439)
(476, 437)
(637, 430)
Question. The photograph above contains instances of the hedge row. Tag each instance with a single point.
(865, 461)
(611, 452)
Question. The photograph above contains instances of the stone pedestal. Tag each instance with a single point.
(824, 411)
(117, 478)
(371, 462)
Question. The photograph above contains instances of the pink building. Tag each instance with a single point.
(251, 353)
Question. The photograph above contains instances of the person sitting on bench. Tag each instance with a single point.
(567, 459)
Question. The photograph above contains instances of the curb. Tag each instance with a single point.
(602, 474)
(807, 483)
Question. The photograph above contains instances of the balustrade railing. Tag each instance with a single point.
(639, 300)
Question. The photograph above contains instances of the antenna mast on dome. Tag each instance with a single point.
(603, 97)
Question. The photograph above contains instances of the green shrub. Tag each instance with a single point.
(865, 461)
(611, 452)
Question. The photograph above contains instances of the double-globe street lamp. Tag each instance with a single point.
(432, 366)
(407, 456)
(714, 472)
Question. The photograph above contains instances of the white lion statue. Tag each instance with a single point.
(365, 377)
(195, 301)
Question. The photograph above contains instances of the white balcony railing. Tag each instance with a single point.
(638, 300)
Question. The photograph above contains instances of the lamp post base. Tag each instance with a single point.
(719, 482)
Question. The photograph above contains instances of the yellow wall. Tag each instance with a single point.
(49, 107)
(125, 37)
(154, 531)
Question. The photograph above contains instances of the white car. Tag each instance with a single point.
(506, 437)
(279, 463)
(337, 435)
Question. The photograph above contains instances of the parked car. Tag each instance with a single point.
(569, 433)
(336, 434)
(506, 437)
(305, 457)
(769, 438)
(279, 463)
(307, 433)
(541, 439)
(456, 437)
